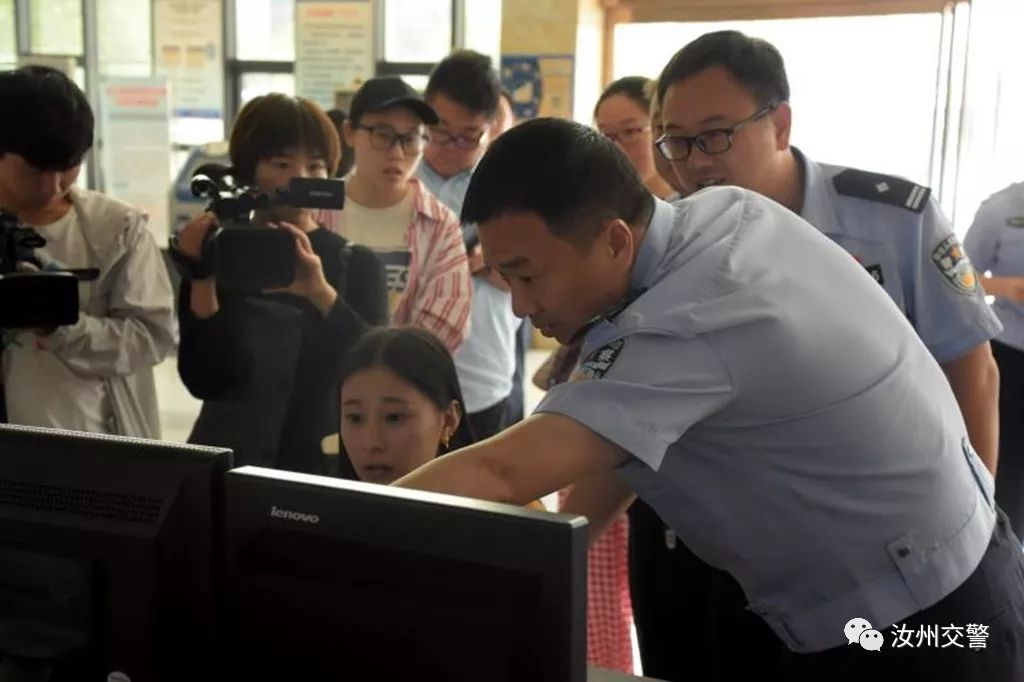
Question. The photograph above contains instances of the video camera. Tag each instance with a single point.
(31, 294)
(250, 257)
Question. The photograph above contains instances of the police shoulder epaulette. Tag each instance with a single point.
(882, 188)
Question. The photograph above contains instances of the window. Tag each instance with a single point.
(125, 38)
(254, 84)
(265, 30)
(417, 30)
(8, 41)
(869, 108)
(483, 28)
(56, 26)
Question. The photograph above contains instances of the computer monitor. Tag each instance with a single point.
(109, 548)
(333, 579)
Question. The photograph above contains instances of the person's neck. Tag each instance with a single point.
(445, 176)
(47, 215)
(370, 196)
(788, 188)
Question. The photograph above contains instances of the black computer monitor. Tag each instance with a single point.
(342, 580)
(109, 549)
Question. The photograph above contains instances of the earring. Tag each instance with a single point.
(445, 438)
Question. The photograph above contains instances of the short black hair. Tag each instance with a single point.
(636, 88)
(44, 118)
(754, 62)
(269, 124)
(570, 175)
(467, 78)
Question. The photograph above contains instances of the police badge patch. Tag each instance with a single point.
(600, 361)
(956, 268)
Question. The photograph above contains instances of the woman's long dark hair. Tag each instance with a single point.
(418, 357)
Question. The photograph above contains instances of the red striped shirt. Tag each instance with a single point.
(437, 297)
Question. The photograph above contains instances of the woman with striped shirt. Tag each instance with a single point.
(386, 209)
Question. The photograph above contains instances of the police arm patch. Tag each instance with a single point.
(956, 268)
(597, 364)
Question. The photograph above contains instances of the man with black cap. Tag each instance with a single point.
(388, 210)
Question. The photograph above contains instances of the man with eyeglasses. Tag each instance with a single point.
(465, 92)
(727, 119)
(745, 377)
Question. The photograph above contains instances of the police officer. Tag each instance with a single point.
(995, 243)
(725, 108)
(727, 121)
(750, 381)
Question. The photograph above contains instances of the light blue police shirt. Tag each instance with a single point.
(995, 243)
(486, 360)
(897, 231)
(785, 420)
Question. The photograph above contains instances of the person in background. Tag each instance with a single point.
(661, 164)
(995, 244)
(348, 153)
(515, 408)
(622, 114)
(401, 404)
(97, 374)
(387, 209)
(656, 559)
(464, 91)
(506, 116)
(609, 606)
(727, 117)
(266, 364)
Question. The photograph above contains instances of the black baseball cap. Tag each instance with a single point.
(385, 92)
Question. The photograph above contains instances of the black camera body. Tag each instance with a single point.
(32, 296)
(249, 257)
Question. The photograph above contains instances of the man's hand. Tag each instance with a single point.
(534, 458)
(1010, 288)
(309, 282)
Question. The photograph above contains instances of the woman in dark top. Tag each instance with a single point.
(267, 364)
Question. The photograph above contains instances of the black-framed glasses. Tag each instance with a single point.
(383, 138)
(461, 142)
(717, 141)
(627, 135)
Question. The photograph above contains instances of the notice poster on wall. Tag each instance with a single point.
(333, 48)
(188, 46)
(135, 135)
(540, 85)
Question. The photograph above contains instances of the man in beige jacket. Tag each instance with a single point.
(97, 374)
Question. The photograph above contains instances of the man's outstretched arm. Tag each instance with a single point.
(534, 458)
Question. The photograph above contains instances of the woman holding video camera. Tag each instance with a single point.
(266, 363)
